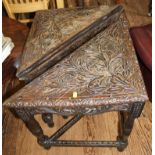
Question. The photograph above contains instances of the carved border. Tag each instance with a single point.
(77, 110)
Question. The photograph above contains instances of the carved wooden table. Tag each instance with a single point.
(104, 72)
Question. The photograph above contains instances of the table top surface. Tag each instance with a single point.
(51, 29)
(103, 71)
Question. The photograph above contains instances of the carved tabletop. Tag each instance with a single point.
(100, 73)
(57, 33)
(103, 71)
(52, 28)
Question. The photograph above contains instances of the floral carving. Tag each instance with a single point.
(102, 71)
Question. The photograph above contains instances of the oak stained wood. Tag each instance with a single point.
(19, 141)
(63, 37)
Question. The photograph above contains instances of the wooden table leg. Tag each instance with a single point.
(125, 127)
(126, 121)
(28, 117)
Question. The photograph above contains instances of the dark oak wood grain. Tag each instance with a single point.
(91, 127)
(19, 141)
(58, 45)
(104, 72)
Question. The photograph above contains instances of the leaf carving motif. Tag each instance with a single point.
(102, 66)
(103, 71)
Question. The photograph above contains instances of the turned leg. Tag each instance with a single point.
(27, 116)
(124, 128)
(126, 121)
(48, 118)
